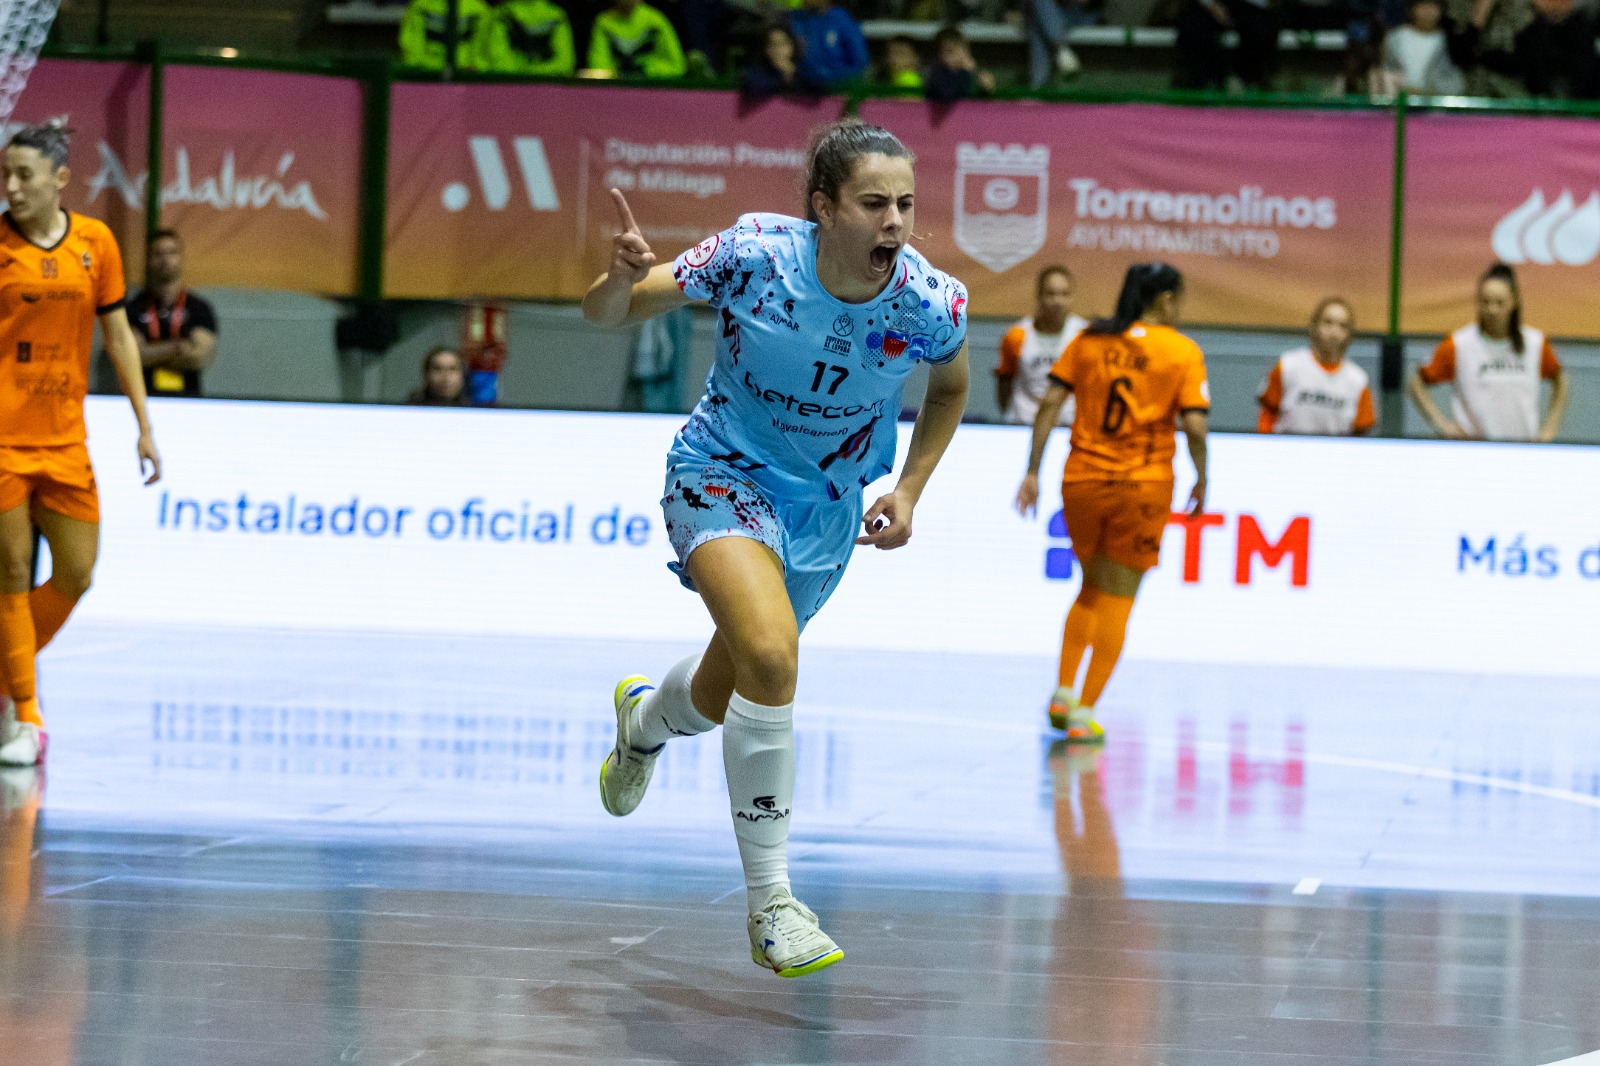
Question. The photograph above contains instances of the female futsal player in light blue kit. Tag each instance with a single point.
(820, 322)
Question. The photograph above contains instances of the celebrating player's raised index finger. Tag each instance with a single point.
(624, 212)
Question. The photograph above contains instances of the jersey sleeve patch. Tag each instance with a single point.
(723, 267)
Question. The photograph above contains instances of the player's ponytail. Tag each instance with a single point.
(1140, 287)
(1502, 272)
(833, 151)
(52, 139)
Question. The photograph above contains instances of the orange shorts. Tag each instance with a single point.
(1121, 520)
(57, 479)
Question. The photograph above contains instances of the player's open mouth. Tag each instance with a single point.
(883, 257)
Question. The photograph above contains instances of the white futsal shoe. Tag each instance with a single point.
(24, 743)
(626, 772)
(786, 938)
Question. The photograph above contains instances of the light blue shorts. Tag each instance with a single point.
(706, 499)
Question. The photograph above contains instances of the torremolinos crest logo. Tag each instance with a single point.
(1002, 202)
(1549, 233)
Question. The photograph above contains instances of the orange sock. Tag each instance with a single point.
(1077, 634)
(16, 654)
(1111, 626)
(50, 610)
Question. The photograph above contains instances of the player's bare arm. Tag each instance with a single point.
(635, 287)
(1560, 391)
(888, 522)
(1043, 422)
(123, 348)
(1194, 428)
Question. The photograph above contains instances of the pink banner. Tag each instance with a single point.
(107, 106)
(1265, 212)
(1519, 190)
(500, 190)
(262, 176)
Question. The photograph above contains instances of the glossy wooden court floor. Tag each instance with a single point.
(286, 849)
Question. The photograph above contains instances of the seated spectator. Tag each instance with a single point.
(1049, 25)
(424, 30)
(902, 65)
(954, 74)
(1316, 390)
(1556, 54)
(779, 70)
(176, 330)
(1495, 366)
(631, 39)
(1203, 62)
(1031, 347)
(1483, 44)
(530, 37)
(444, 380)
(832, 49)
(1417, 55)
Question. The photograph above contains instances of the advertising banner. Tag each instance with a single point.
(500, 190)
(1330, 552)
(262, 177)
(1265, 212)
(107, 107)
(1481, 188)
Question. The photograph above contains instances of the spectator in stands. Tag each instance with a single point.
(423, 32)
(1049, 25)
(1031, 347)
(1483, 43)
(444, 380)
(631, 39)
(1556, 52)
(779, 70)
(530, 37)
(1417, 55)
(1495, 366)
(902, 65)
(1316, 389)
(1203, 62)
(176, 330)
(954, 74)
(833, 51)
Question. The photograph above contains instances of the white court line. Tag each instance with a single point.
(1566, 795)
(1307, 886)
(1591, 1059)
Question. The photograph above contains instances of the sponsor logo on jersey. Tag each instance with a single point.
(1549, 233)
(836, 345)
(808, 408)
(1318, 398)
(24, 351)
(844, 325)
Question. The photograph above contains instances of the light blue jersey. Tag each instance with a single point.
(804, 395)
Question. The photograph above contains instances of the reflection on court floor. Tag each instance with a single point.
(284, 848)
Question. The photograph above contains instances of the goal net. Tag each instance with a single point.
(24, 24)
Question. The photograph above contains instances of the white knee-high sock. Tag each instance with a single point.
(669, 711)
(758, 756)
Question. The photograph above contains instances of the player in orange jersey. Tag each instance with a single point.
(1135, 377)
(58, 272)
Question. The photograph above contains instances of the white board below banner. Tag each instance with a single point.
(1357, 553)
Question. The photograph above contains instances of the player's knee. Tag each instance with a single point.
(72, 581)
(770, 662)
(16, 575)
